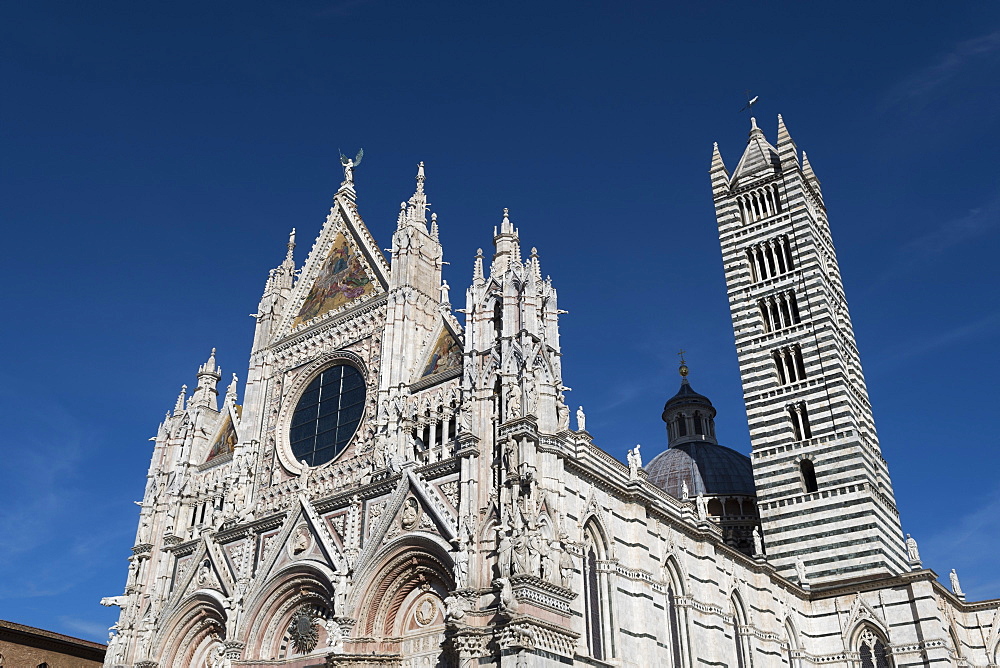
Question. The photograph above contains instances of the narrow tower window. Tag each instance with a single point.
(808, 472)
(800, 421)
(765, 315)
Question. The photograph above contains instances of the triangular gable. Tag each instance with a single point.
(203, 571)
(443, 356)
(344, 269)
(860, 613)
(303, 537)
(433, 515)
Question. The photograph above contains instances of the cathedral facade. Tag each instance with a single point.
(402, 489)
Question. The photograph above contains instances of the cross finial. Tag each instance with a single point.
(683, 369)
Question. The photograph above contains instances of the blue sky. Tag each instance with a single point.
(155, 155)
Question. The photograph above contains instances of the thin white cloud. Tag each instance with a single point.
(921, 347)
(930, 83)
(976, 223)
(968, 545)
(85, 628)
(919, 251)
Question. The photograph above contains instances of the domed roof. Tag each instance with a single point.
(686, 396)
(707, 468)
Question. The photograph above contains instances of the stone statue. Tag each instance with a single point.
(340, 592)
(702, 502)
(634, 462)
(565, 564)
(507, 602)
(109, 601)
(685, 491)
(581, 420)
(461, 569)
(533, 539)
(410, 513)
(530, 393)
(513, 402)
(144, 531)
(219, 658)
(911, 549)
(334, 636)
(504, 548)
(758, 543)
(519, 563)
(562, 412)
(455, 608)
(800, 570)
(550, 565)
(955, 586)
(349, 166)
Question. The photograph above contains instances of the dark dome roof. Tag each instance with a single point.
(686, 396)
(708, 469)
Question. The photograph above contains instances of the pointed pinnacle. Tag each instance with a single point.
(179, 405)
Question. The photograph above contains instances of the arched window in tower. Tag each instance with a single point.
(873, 651)
(808, 473)
(789, 364)
(765, 314)
(752, 262)
(682, 429)
(800, 421)
(595, 599)
(779, 366)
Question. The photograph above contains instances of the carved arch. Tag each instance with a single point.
(405, 572)
(872, 646)
(271, 609)
(675, 575)
(792, 639)
(196, 625)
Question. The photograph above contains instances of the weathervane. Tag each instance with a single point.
(750, 102)
(349, 166)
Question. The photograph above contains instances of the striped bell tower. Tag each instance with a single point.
(823, 489)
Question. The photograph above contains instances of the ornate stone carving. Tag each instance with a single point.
(302, 631)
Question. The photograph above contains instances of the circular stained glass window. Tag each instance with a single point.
(327, 414)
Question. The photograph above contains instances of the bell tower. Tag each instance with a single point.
(823, 488)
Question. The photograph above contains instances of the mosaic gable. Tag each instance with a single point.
(342, 279)
(445, 355)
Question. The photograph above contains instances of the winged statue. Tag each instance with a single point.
(349, 165)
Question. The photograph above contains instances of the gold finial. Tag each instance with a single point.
(683, 370)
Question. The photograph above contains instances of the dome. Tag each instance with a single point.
(686, 396)
(707, 468)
